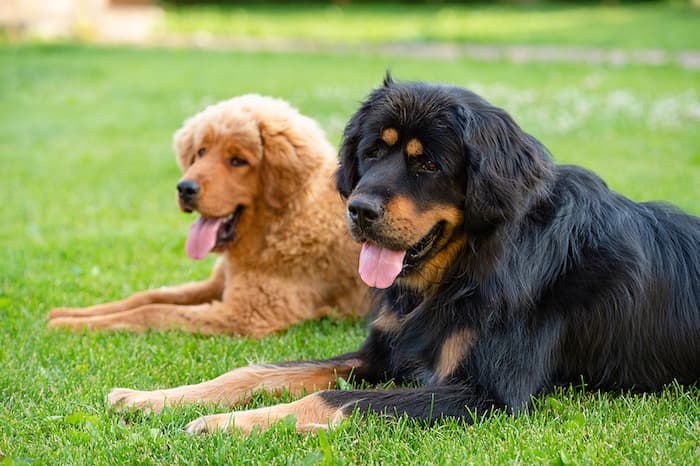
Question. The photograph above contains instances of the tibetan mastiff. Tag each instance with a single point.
(497, 274)
(260, 176)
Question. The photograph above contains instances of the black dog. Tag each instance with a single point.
(500, 274)
(519, 274)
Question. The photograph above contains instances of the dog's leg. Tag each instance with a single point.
(310, 413)
(249, 310)
(205, 319)
(327, 408)
(189, 293)
(238, 385)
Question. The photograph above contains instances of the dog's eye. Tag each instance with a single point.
(237, 162)
(428, 166)
(371, 155)
(201, 151)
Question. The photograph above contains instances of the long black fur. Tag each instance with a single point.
(560, 279)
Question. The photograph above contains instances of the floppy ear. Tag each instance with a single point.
(282, 172)
(347, 175)
(183, 146)
(506, 167)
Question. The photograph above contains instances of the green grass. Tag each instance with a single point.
(658, 25)
(88, 215)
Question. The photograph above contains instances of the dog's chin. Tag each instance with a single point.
(185, 207)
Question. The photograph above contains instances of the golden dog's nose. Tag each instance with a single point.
(187, 190)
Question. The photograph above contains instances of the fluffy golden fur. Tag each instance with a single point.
(285, 257)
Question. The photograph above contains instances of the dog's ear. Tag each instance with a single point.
(183, 145)
(347, 175)
(294, 149)
(506, 167)
(281, 169)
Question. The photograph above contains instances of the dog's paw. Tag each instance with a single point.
(72, 323)
(125, 398)
(64, 322)
(214, 422)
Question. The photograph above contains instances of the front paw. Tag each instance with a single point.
(148, 402)
(214, 422)
(73, 323)
(65, 322)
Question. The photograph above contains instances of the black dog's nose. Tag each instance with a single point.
(364, 211)
(187, 190)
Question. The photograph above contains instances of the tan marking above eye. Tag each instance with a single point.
(390, 136)
(414, 148)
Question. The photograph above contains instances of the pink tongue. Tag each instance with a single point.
(202, 237)
(379, 266)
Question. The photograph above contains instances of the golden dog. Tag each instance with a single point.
(260, 175)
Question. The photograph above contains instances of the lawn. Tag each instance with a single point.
(88, 214)
(654, 25)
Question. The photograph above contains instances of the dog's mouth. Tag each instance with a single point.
(423, 248)
(211, 234)
(380, 266)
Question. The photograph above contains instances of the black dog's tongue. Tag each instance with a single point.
(380, 266)
(202, 237)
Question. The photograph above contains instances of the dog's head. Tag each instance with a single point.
(240, 157)
(424, 167)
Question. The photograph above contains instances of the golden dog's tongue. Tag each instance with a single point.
(379, 266)
(202, 237)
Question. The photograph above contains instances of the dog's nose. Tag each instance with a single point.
(187, 190)
(364, 211)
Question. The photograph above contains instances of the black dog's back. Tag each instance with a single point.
(629, 287)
